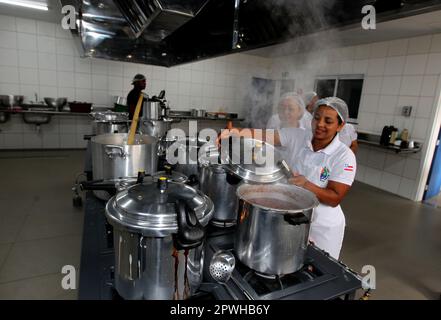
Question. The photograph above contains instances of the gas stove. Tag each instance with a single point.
(321, 278)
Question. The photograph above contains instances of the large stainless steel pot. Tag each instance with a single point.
(253, 160)
(113, 159)
(220, 181)
(155, 128)
(110, 122)
(186, 152)
(273, 227)
(221, 187)
(158, 239)
(152, 110)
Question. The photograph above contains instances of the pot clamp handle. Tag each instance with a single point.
(111, 153)
(296, 219)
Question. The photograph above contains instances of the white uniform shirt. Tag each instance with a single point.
(305, 121)
(336, 163)
(348, 134)
(275, 123)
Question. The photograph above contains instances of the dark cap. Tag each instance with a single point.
(138, 77)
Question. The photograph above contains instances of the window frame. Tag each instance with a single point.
(341, 77)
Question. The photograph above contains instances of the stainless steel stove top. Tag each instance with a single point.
(321, 278)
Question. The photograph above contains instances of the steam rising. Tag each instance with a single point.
(303, 58)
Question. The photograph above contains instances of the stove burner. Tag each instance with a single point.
(263, 275)
(223, 224)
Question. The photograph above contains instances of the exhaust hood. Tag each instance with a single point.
(172, 32)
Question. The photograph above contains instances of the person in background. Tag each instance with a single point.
(139, 83)
(349, 137)
(309, 98)
(322, 164)
(290, 111)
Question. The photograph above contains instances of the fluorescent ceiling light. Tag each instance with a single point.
(39, 5)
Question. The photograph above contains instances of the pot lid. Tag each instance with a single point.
(253, 160)
(279, 197)
(150, 208)
(105, 116)
(172, 176)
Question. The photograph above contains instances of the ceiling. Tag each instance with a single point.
(52, 15)
(417, 25)
(210, 34)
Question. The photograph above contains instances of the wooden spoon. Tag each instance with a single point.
(132, 132)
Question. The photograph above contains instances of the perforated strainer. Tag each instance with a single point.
(221, 267)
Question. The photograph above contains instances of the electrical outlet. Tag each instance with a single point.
(406, 111)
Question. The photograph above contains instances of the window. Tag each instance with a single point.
(286, 86)
(347, 88)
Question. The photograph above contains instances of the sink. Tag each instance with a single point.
(36, 118)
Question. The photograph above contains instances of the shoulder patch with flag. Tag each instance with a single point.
(348, 167)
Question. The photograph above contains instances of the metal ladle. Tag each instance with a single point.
(221, 267)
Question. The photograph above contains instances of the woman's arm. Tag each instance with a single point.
(270, 136)
(354, 146)
(332, 195)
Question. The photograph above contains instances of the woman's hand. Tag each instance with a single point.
(226, 133)
(298, 180)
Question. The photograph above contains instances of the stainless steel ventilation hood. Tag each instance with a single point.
(172, 32)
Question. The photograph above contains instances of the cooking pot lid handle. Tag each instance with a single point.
(193, 180)
(233, 179)
(190, 231)
(296, 219)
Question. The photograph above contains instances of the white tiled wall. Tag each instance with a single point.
(40, 57)
(397, 73)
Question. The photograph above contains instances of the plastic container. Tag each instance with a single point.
(120, 108)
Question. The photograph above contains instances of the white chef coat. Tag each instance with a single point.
(337, 163)
(348, 134)
(305, 121)
(275, 123)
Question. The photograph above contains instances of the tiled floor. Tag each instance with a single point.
(400, 238)
(40, 232)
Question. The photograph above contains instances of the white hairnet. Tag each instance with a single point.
(294, 96)
(308, 96)
(335, 103)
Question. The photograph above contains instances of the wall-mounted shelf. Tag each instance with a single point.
(374, 141)
(59, 113)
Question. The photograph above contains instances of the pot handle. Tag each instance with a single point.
(110, 151)
(232, 179)
(97, 185)
(192, 180)
(296, 219)
(190, 231)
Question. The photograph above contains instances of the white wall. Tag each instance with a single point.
(40, 57)
(397, 73)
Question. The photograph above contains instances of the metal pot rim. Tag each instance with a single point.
(100, 139)
(307, 193)
(154, 224)
(247, 174)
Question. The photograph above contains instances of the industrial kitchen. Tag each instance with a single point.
(225, 150)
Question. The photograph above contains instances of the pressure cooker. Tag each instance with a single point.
(159, 239)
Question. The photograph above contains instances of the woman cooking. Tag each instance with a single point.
(321, 164)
